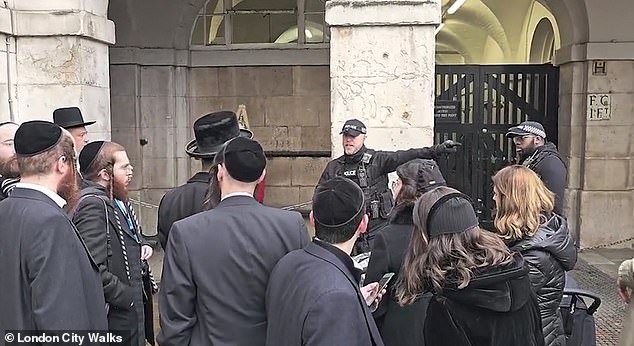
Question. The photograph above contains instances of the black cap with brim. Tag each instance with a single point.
(353, 127)
(527, 128)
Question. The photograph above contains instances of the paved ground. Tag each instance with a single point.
(596, 272)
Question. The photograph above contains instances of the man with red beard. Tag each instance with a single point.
(113, 236)
(9, 171)
(49, 280)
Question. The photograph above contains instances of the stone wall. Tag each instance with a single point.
(288, 111)
(600, 153)
(58, 58)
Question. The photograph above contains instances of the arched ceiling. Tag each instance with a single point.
(495, 30)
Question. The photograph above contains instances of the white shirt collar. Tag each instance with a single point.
(50, 194)
(237, 194)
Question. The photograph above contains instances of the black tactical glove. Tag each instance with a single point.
(446, 147)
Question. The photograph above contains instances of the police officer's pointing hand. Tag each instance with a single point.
(446, 147)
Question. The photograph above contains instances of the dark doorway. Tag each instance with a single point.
(491, 99)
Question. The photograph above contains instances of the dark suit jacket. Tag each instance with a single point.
(181, 202)
(49, 280)
(119, 259)
(313, 299)
(216, 271)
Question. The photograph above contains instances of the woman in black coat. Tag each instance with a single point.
(481, 291)
(401, 325)
(525, 220)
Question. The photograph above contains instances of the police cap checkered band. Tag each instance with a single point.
(527, 128)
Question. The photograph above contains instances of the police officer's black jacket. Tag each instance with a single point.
(380, 164)
(181, 202)
(548, 164)
(549, 254)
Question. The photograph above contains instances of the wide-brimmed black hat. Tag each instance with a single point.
(70, 117)
(212, 131)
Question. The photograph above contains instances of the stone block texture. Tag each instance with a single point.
(288, 109)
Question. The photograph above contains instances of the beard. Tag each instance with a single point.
(68, 188)
(120, 190)
(10, 168)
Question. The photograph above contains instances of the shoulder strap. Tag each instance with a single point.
(105, 208)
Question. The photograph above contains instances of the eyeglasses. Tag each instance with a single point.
(520, 139)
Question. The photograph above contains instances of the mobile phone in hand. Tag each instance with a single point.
(385, 280)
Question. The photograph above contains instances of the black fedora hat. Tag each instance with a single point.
(69, 117)
(212, 131)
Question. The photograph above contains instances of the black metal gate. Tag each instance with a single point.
(492, 99)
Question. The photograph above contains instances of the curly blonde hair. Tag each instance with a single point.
(522, 201)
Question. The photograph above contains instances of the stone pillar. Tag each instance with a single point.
(382, 56)
(600, 152)
(60, 49)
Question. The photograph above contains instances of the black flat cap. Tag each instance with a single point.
(353, 127)
(88, 155)
(337, 201)
(243, 158)
(452, 213)
(70, 117)
(35, 137)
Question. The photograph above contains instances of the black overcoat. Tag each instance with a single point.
(48, 278)
(313, 299)
(216, 271)
(181, 202)
(117, 252)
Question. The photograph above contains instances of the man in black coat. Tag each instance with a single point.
(218, 263)
(542, 157)
(211, 131)
(369, 168)
(115, 244)
(49, 280)
(9, 170)
(313, 296)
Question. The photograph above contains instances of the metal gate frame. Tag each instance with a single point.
(492, 99)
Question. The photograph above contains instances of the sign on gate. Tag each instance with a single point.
(447, 111)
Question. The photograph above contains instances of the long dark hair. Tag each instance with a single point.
(213, 192)
(413, 184)
(428, 263)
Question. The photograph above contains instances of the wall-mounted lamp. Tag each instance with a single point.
(455, 6)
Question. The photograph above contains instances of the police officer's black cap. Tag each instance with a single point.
(88, 155)
(35, 137)
(336, 202)
(243, 158)
(527, 128)
(450, 214)
(353, 127)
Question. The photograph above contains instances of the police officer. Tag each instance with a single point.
(540, 155)
(369, 169)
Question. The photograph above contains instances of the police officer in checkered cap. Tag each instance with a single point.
(542, 157)
(369, 169)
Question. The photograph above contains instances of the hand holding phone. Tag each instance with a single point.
(373, 292)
